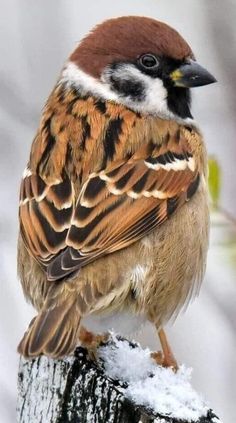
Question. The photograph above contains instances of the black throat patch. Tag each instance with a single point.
(179, 101)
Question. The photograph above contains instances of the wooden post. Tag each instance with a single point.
(76, 390)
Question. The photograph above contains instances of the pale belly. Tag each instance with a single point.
(166, 273)
(122, 322)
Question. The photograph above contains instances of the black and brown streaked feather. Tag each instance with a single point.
(100, 177)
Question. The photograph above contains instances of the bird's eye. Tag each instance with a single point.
(148, 61)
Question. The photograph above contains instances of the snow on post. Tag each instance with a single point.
(125, 385)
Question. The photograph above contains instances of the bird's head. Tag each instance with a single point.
(139, 62)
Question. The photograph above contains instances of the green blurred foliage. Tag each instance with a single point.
(214, 181)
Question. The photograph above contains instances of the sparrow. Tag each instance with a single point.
(113, 205)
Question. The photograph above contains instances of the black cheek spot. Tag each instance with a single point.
(132, 88)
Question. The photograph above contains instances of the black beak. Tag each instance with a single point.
(190, 75)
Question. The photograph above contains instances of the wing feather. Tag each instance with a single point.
(45, 216)
(114, 207)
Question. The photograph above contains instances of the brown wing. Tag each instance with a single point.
(45, 215)
(116, 207)
(66, 225)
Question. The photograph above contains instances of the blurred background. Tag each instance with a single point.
(35, 39)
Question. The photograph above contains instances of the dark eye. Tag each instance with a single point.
(148, 61)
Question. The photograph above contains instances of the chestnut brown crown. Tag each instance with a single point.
(126, 38)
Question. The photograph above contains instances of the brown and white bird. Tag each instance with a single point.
(113, 202)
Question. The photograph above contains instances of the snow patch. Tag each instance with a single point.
(150, 385)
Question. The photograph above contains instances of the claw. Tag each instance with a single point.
(164, 361)
(158, 357)
(92, 342)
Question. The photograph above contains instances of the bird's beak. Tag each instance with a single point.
(190, 75)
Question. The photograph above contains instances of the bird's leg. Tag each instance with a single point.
(165, 358)
(169, 358)
(91, 341)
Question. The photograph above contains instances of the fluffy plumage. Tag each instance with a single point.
(107, 189)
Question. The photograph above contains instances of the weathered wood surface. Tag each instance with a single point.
(76, 390)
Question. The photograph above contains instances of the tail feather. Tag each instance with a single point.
(54, 332)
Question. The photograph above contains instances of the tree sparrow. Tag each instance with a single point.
(113, 202)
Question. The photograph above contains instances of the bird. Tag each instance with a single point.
(113, 209)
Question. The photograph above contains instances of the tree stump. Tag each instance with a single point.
(79, 390)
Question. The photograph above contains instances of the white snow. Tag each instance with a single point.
(150, 385)
(216, 420)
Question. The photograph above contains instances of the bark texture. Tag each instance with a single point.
(76, 390)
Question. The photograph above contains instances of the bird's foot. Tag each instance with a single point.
(92, 342)
(167, 360)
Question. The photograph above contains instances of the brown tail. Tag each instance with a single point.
(54, 332)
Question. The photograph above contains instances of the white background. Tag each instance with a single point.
(35, 39)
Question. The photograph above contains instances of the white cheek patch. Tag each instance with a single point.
(155, 94)
(156, 97)
(73, 75)
(153, 101)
